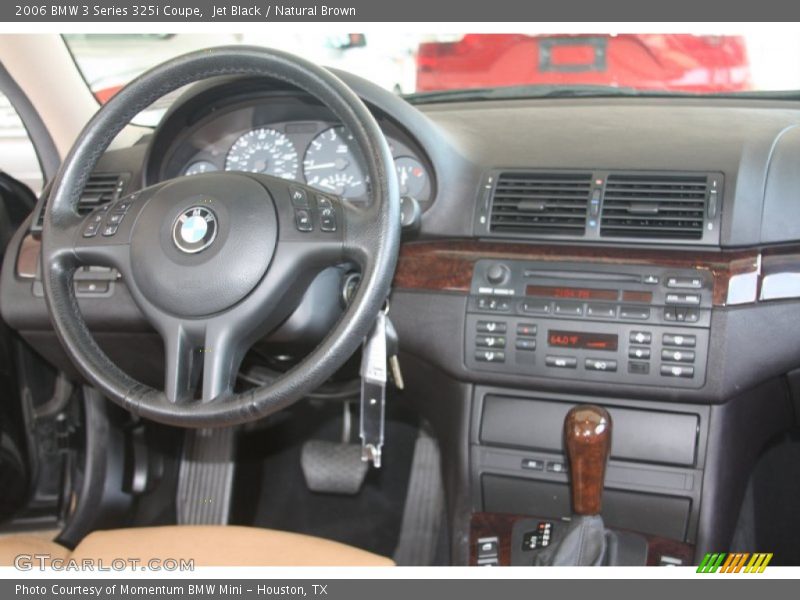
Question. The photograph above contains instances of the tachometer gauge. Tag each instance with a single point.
(200, 166)
(264, 151)
(330, 166)
(411, 176)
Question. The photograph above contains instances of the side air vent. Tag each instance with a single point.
(526, 203)
(650, 206)
(101, 188)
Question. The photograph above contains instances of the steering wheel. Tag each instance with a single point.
(215, 261)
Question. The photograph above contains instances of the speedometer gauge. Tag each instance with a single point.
(329, 165)
(264, 151)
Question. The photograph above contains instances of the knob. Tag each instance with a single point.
(587, 436)
(497, 273)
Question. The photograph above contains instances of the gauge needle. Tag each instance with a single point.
(321, 166)
(340, 164)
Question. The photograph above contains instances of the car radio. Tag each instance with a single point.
(611, 323)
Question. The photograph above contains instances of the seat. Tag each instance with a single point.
(207, 545)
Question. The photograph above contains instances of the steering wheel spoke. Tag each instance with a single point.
(201, 359)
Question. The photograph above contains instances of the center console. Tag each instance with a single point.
(607, 323)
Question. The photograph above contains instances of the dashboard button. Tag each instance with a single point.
(640, 353)
(678, 355)
(598, 364)
(526, 329)
(650, 279)
(490, 341)
(677, 371)
(491, 327)
(525, 344)
(683, 341)
(531, 306)
(493, 304)
(494, 356)
(633, 312)
(685, 299)
(641, 337)
(532, 464)
(569, 309)
(556, 467)
(601, 310)
(689, 283)
(302, 219)
(638, 368)
(561, 362)
(84, 286)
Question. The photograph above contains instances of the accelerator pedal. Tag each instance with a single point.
(205, 478)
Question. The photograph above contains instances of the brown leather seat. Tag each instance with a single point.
(208, 545)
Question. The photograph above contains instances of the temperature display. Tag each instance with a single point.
(571, 293)
(578, 339)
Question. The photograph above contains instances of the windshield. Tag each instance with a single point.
(440, 63)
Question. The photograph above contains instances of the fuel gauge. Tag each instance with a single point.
(411, 176)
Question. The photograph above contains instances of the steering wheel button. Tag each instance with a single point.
(115, 218)
(299, 197)
(324, 203)
(302, 219)
(327, 222)
(110, 230)
(91, 229)
(122, 206)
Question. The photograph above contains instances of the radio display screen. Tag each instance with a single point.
(570, 293)
(579, 339)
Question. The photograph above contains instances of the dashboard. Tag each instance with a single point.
(291, 137)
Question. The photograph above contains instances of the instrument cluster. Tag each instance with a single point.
(316, 151)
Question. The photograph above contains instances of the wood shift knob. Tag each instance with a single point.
(587, 436)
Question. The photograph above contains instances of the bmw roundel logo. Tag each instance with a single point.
(194, 229)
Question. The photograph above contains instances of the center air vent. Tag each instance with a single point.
(654, 206)
(540, 203)
(101, 188)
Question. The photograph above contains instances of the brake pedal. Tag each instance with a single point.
(333, 467)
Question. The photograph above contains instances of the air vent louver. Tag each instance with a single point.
(101, 188)
(540, 203)
(654, 206)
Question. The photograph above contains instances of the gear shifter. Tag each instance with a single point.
(587, 437)
(586, 541)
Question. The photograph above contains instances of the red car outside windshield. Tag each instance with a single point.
(668, 62)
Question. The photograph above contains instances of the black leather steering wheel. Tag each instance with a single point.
(215, 261)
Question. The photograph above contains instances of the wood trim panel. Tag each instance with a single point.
(500, 525)
(447, 265)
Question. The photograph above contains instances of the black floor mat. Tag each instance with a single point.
(269, 490)
(776, 488)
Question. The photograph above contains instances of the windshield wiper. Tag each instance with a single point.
(522, 91)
